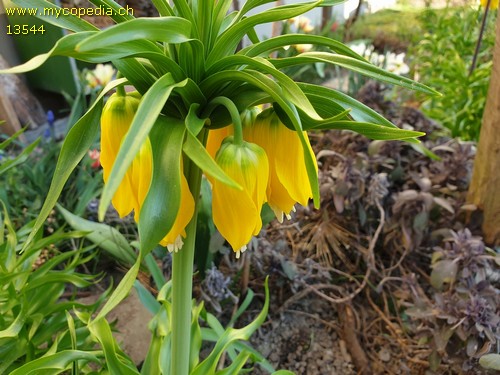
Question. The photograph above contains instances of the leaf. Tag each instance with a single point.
(116, 361)
(155, 271)
(19, 159)
(290, 89)
(355, 65)
(51, 13)
(67, 44)
(122, 290)
(229, 39)
(230, 335)
(163, 29)
(490, 361)
(75, 147)
(200, 156)
(358, 111)
(278, 42)
(162, 202)
(104, 236)
(117, 10)
(57, 361)
(237, 365)
(146, 298)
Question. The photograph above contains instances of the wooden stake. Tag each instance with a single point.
(485, 184)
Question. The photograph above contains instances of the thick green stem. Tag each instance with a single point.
(182, 283)
(233, 111)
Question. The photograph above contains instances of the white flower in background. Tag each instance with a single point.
(396, 64)
(100, 76)
(391, 61)
(303, 47)
(361, 48)
(302, 23)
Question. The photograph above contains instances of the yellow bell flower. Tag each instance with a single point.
(236, 213)
(173, 239)
(116, 118)
(493, 3)
(288, 179)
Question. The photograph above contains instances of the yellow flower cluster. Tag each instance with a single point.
(116, 119)
(268, 165)
(277, 159)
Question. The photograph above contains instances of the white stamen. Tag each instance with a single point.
(278, 213)
(176, 246)
(241, 250)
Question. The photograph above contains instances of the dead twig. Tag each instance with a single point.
(358, 355)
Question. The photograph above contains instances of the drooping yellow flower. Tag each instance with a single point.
(173, 239)
(288, 179)
(116, 119)
(493, 3)
(236, 213)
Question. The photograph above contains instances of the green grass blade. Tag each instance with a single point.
(163, 29)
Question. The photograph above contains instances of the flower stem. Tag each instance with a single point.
(233, 111)
(120, 90)
(182, 282)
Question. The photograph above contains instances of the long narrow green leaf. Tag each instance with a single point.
(75, 147)
(57, 361)
(122, 290)
(209, 365)
(155, 271)
(200, 156)
(147, 113)
(162, 203)
(230, 38)
(118, 13)
(19, 159)
(237, 365)
(290, 89)
(115, 362)
(146, 298)
(355, 65)
(67, 44)
(136, 74)
(220, 12)
(372, 131)
(103, 235)
(358, 111)
(17, 324)
(48, 12)
(12, 138)
(163, 29)
(272, 44)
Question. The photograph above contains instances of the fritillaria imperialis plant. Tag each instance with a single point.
(184, 82)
